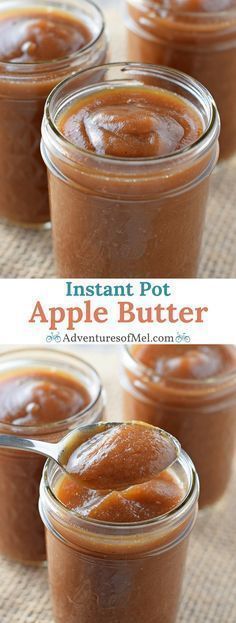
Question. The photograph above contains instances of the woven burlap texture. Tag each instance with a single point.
(209, 594)
(28, 253)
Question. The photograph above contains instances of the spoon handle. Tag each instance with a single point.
(29, 445)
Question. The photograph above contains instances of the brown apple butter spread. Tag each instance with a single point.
(114, 456)
(31, 401)
(106, 547)
(35, 36)
(32, 398)
(40, 44)
(137, 122)
(198, 6)
(136, 503)
(190, 390)
(195, 362)
(131, 454)
(197, 37)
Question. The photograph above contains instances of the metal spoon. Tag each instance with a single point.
(59, 451)
(68, 446)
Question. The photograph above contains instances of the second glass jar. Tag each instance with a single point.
(24, 87)
(21, 530)
(200, 413)
(198, 41)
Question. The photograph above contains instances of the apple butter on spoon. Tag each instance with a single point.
(107, 456)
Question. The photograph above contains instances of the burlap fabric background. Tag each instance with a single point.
(28, 253)
(209, 594)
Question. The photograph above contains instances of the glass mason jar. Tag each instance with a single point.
(200, 43)
(201, 414)
(21, 530)
(155, 207)
(104, 572)
(24, 88)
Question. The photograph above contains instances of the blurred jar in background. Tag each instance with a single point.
(41, 43)
(190, 391)
(197, 37)
(44, 393)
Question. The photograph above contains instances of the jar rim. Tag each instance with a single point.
(155, 377)
(194, 14)
(207, 138)
(52, 426)
(57, 62)
(166, 519)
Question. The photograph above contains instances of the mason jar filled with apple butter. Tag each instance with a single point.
(197, 37)
(190, 390)
(41, 42)
(44, 393)
(117, 555)
(130, 150)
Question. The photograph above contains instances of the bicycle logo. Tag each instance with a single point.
(182, 337)
(53, 337)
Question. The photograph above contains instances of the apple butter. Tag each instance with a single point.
(43, 394)
(96, 460)
(191, 391)
(113, 554)
(40, 44)
(131, 123)
(194, 36)
(134, 149)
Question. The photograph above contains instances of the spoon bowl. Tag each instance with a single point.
(93, 456)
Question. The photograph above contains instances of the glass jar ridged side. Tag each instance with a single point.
(155, 207)
(201, 414)
(107, 572)
(24, 87)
